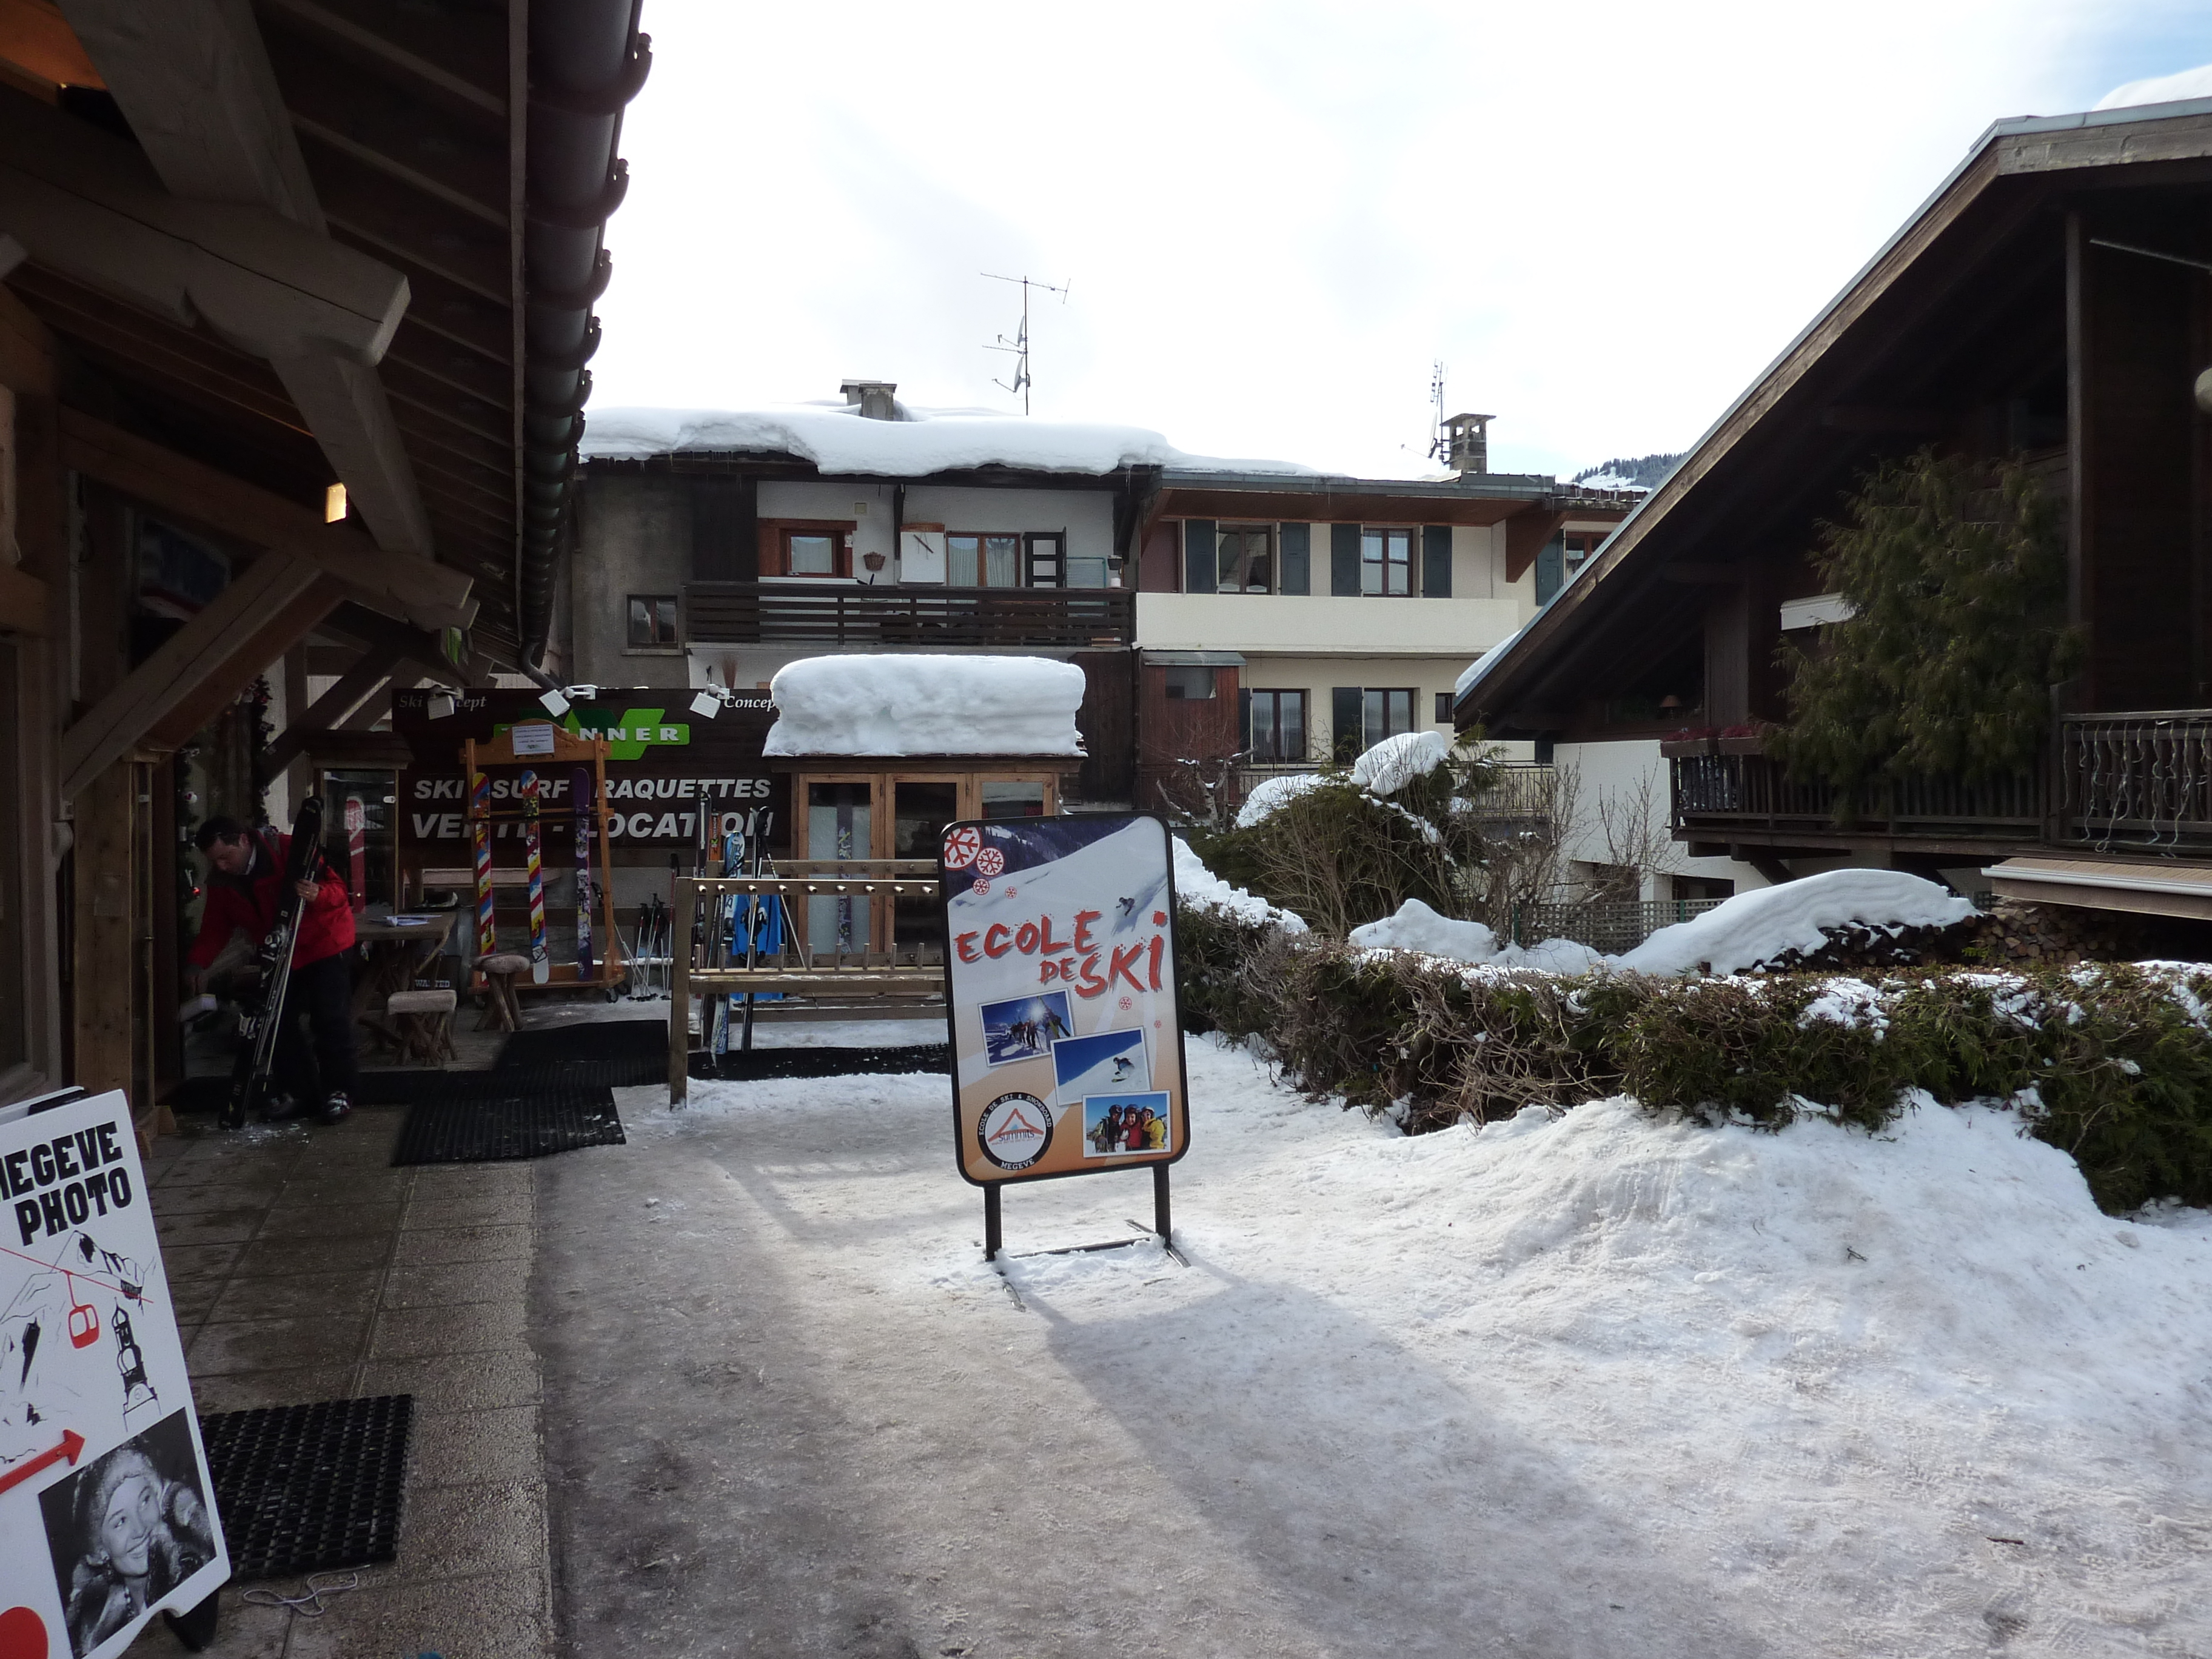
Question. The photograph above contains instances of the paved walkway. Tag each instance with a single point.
(305, 1268)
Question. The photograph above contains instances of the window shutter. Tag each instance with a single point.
(1198, 550)
(1435, 560)
(1550, 569)
(1347, 713)
(1295, 541)
(1344, 560)
(1243, 722)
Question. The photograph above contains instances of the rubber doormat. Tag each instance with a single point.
(305, 1489)
(414, 1086)
(489, 1128)
(601, 1041)
(747, 1065)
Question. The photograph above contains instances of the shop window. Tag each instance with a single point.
(1278, 726)
(1008, 798)
(1444, 709)
(1386, 713)
(1189, 684)
(653, 622)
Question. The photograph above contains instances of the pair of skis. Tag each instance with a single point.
(746, 925)
(264, 1000)
(585, 821)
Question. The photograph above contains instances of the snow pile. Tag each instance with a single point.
(1270, 795)
(2161, 90)
(1199, 887)
(925, 705)
(838, 438)
(1418, 927)
(1395, 762)
(1760, 925)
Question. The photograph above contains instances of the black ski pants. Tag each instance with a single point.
(322, 993)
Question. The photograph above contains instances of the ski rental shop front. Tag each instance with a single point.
(684, 774)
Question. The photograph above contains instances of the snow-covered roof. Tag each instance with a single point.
(921, 704)
(2161, 90)
(838, 438)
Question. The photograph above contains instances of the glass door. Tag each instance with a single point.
(922, 807)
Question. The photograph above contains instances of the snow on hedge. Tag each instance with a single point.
(920, 704)
(838, 438)
(1270, 795)
(1199, 887)
(1762, 924)
(1391, 764)
(1745, 931)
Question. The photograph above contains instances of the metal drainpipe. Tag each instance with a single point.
(586, 61)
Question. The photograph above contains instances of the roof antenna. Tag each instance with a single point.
(1440, 446)
(1019, 348)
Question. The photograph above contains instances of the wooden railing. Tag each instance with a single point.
(769, 613)
(709, 962)
(1719, 793)
(2138, 781)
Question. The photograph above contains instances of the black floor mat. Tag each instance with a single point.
(595, 1040)
(752, 1065)
(305, 1489)
(487, 1125)
(408, 1087)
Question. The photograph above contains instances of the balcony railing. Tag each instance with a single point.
(1720, 793)
(2140, 781)
(776, 613)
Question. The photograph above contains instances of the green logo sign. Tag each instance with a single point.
(629, 733)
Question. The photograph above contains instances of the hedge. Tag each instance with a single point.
(2109, 1062)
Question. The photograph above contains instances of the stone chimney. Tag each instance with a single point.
(874, 398)
(1466, 443)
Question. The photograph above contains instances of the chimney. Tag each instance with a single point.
(1466, 443)
(874, 398)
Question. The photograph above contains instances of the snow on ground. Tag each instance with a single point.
(924, 704)
(1196, 885)
(1600, 1384)
(2159, 89)
(837, 438)
(1750, 928)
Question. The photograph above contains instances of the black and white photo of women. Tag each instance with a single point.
(126, 1530)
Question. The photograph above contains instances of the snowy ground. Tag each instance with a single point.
(1597, 1386)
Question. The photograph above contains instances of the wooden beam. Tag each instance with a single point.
(1705, 576)
(357, 683)
(409, 644)
(1526, 532)
(397, 584)
(114, 726)
(26, 348)
(251, 656)
(23, 602)
(103, 968)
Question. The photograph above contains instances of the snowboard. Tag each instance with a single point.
(541, 960)
(580, 785)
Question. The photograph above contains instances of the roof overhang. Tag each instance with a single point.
(2158, 889)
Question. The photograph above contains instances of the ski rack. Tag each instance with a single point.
(566, 750)
(797, 969)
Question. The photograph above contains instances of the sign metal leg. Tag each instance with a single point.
(992, 1242)
(1160, 1202)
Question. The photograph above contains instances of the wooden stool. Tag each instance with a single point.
(502, 1011)
(425, 1019)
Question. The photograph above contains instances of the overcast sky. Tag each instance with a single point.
(1604, 218)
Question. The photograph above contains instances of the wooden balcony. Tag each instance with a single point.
(1729, 797)
(2139, 783)
(867, 618)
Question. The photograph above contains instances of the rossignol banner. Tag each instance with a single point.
(106, 1511)
(1068, 1049)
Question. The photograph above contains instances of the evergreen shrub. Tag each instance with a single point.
(2111, 1063)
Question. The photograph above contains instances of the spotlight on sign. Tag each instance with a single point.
(706, 704)
(554, 703)
(440, 706)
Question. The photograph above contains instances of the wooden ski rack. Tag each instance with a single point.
(567, 749)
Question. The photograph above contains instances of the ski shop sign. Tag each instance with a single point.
(1067, 1043)
(641, 808)
(107, 1509)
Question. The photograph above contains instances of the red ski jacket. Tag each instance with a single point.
(250, 902)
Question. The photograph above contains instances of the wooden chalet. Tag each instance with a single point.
(297, 304)
(2052, 300)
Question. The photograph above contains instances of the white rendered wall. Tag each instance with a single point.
(1616, 770)
(1325, 624)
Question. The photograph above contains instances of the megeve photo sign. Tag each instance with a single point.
(106, 1512)
(1060, 981)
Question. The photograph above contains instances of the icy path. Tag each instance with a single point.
(1597, 1387)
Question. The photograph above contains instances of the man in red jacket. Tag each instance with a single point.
(241, 894)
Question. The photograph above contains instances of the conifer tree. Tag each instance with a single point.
(1956, 576)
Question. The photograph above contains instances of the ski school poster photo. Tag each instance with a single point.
(1060, 968)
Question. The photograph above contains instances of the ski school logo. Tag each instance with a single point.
(960, 846)
(1014, 1130)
